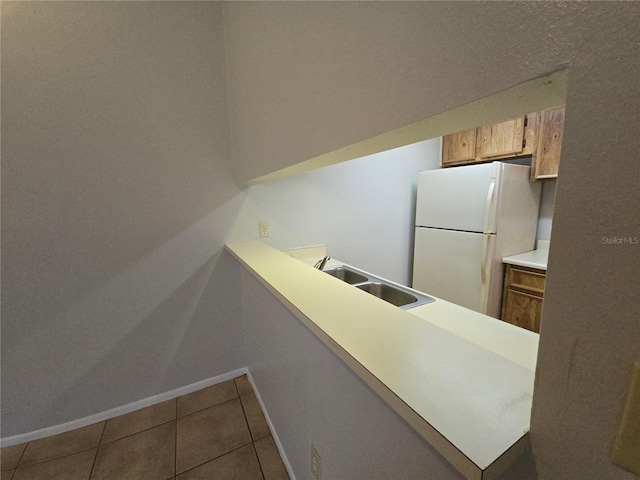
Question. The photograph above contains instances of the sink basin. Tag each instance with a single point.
(404, 298)
(388, 293)
(347, 275)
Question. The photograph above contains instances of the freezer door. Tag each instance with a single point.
(458, 198)
(455, 266)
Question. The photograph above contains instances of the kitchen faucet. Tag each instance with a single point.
(321, 263)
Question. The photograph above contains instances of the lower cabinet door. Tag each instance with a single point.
(523, 309)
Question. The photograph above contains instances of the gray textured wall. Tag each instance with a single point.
(114, 149)
(114, 143)
(326, 75)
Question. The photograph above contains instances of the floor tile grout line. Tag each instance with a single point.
(246, 420)
(210, 406)
(253, 439)
(255, 452)
(211, 386)
(215, 458)
(113, 418)
(135, 433)
(238, 397)
(265, 435)
(95, 457)
(12, 471)
(57, 458)
(175, 446)
(20, 459)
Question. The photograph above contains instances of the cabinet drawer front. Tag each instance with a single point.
(523, 310)
(527, 279)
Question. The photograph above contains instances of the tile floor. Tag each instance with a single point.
(218, 432)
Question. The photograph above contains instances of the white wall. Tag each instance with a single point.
(363, 210)
(313, 398)
(114, 145)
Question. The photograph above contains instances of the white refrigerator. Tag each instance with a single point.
(467, 219)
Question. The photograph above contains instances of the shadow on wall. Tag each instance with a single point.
(196, 330)
(169, 320)
(116, 190)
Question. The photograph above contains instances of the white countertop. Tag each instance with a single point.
(463, 380)
(533, 259)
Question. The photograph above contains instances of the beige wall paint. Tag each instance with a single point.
(308, 79)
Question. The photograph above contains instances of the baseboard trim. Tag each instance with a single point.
(128, 408)
(274, 433)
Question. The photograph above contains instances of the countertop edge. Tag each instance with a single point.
(467, 467)
(534, 259)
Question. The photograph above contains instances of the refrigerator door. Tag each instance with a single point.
(458, 198)
(455, 266)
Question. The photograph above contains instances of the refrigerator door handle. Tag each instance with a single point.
(484, 273)
(489, 214)
(483, 260)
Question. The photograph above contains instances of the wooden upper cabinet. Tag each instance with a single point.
(531, 121)
(459, 147)
(538, 134)
(546, 157)
(502, 139)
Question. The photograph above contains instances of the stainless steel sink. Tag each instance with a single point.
(402, 297)
(347, 275)
(388, 293)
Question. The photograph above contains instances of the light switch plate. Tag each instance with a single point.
(626, 448)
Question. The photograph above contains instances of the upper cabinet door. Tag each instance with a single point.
(459, 147)
(503, 138)
(546, 158)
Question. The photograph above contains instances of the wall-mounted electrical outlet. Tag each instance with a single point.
(263, 228)
(316, 464)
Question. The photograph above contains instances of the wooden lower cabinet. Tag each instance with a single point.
(523, 296)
